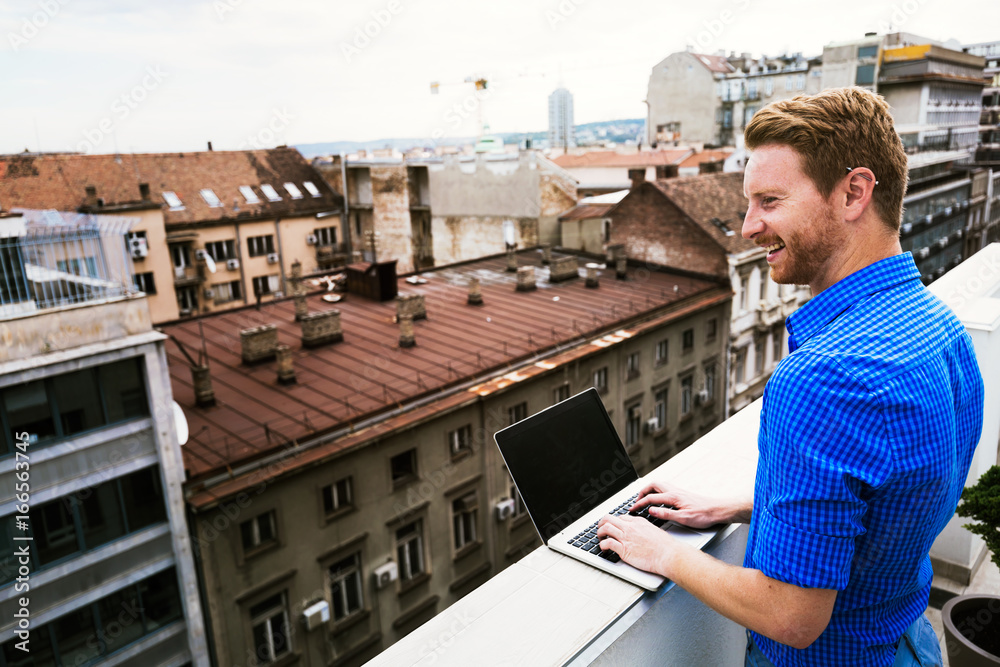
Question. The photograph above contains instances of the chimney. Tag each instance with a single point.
(613, 250)
(210, 146)
(666, 171)
(259, 343)
(546, 253)
(301, 307)
(616, 254)
(297, 271)
(637, 176)
(144, 191)
(563, 268)
(591, 275)
(511, 260)
(525, 278)
(286, 371)
(321, 328)
(412, 305)
(475, 294)
(91, 200)
(204, 395)
(406, 338)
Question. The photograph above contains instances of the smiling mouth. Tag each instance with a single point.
(774, 247)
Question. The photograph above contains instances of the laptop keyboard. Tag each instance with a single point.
(588, 541)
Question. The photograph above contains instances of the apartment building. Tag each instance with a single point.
(431, 211)
(344, 486)
(603, 171)
(96, 564)
(695, 223)
(216, 229)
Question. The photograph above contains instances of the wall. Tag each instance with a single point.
(682, 89)
(586, 235)
(458, 238)
(486, 188)
(392, 215)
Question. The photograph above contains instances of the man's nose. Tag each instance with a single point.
(752, 224)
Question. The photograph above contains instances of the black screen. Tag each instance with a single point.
(565, 461)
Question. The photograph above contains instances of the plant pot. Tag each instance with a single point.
(972, 630)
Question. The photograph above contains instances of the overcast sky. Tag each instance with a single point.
(102, 76)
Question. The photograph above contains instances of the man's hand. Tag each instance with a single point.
(638, 542)
(692, 509)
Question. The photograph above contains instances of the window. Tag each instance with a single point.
(867, 51)
(560, 393)
(220, 251)
(266, 285)
(711, 328)
(710, 382)
(337, 496)
(260, 245)
(865, 75)
(85, 266)
(311, 188)
(687, 385)
(180, 255)
(270, 192)
(464, 512)
(271, 634)
(741, 365)
(225, 292)
(662, 349)
(633, 424)
(800, 82)
(293, 190)
(345, 587)
(660, 408)
(601, 379)
(777, 342)
(687, 341)
(187, 300)
(249, 195)
(460, 441)
(326, 236)
(758, 357)
(144, 282)
(403, 467)
(210, 198)
(788, 82)
(517, 413)
(259, 532)
(410, 550)
(744, 293)
(173, 201)
(519, 509)
(632, 366)
(769, 86)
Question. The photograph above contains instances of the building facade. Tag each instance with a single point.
(336, 513)
(561, 128)
(96, 567)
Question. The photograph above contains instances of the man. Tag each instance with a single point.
(868, 426)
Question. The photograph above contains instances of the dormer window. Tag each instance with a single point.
(249, 194)
(293, 190)
(270, 192)
(312, 189)
(210, 198)
(173, 201)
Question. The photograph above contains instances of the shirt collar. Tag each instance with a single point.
(834, 300)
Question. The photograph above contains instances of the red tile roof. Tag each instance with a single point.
(717, 64)
(341, 385)
(712, 196)
(60, 182)
(705, 156)
(633, 160)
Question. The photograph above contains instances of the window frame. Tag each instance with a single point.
(355, 572)
(259, 545)
(407, 575)
(260, 246)
(633, 425)
(405, 477)
(465, 531)
(600, 380)
(661, 352)
(266, 616)
(632, 365)
(687, 396)
(687, 341)
(337, 505)
(517, 409)
(140, 280)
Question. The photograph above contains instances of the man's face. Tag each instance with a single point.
(788, 216)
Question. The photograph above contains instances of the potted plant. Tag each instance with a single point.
(972, 622)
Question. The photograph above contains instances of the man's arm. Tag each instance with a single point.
(784, 612)
(693, 509)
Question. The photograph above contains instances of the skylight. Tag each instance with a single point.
(270, 192)
(723, 227)
(293, 190)
(249, 194)
(313, 190)
(210, 198)
(173, 201)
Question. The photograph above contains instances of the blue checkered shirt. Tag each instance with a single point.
(866, 437)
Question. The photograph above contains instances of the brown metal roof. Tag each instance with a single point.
(611, 159)
(368, 374)
(584, 211)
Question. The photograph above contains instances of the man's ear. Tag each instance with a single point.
(858, 187)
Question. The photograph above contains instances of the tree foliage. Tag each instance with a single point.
(981, 502)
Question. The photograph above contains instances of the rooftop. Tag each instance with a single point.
(715, 202)
(633, 160)
(345, 387)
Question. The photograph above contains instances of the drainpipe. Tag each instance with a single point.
(281, 257)
(239, 253)
(345, 220)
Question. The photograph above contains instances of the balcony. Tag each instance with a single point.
(547, 609)
(185, 276)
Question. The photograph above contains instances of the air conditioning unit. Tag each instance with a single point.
(179, 271)
(209, 293)
(928, 219)
(232, 264)
(386, 574)
(942, 242)
(200, 254)
(504, 509)
(272, 258)
(701, 397)
(316, 615)
(138, 248)
(906, 228)
(947, 210)
(923, 253)
(310, 239)
(652, 425)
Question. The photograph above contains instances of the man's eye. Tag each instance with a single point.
(767, 201)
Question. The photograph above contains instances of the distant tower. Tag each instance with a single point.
(561, 119)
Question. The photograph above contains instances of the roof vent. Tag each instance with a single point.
(563, 268)
(321, 328)
(204, 395)
(525, 278)
(592, 275)
(259, 343)
(411, 304)
(286, 371)
(475, 293)
(406, 338)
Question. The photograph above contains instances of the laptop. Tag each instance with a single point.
(571, 469)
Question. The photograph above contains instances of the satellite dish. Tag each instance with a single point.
(209, 262)
(180, 423)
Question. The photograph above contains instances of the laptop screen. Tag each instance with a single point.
(565, 460)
